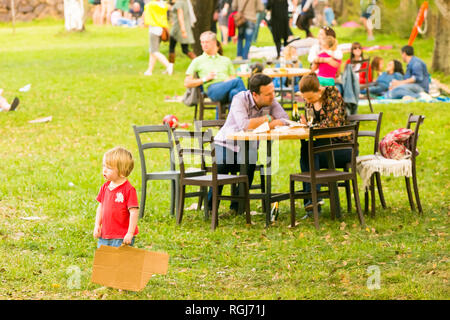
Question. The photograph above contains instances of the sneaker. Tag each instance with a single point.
(309, 205)
(408, 98)
(147, 73)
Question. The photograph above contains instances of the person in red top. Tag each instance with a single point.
(118, 209)
(356, 53)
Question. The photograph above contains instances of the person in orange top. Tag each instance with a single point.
(356, 54)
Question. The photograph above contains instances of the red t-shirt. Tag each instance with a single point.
(115, 209)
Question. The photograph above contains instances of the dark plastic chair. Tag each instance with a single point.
(259, 167)
(330, 175)
(367, 84)
(212, 180)
(375, 134)
(171, 174)
(417, 120)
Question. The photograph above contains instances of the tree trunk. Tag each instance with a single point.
(204, 10)
(441, 58)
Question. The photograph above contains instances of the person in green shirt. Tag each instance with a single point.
(215, 72)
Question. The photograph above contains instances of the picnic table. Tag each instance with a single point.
(243, 139)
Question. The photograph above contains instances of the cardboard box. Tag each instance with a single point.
(126, 267)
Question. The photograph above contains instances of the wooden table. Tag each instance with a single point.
(296, 133)
(281, 73)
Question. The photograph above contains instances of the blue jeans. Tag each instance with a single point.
(111, 242)
(378, 89)
(341, 158)
(226, 90)
(409, 89)
(229, 162)
(245, 32)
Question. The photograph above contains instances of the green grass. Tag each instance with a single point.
(92, 84)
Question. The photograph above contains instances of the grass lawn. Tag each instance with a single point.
(92, 85)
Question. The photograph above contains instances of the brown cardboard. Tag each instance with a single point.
(126, 267)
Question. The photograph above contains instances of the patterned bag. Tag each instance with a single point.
(395, 144)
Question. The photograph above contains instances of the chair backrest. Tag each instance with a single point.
(361, 69)
(375, 117)
(350, 131)
(168, 144)
(417, 120)
(185, 149)
(208, 124)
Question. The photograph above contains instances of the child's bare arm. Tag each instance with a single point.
(98, 222)
(134, 216)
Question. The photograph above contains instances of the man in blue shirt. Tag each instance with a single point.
(416, 80)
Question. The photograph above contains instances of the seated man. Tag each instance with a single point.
(248, 110)
(216, 72)
(416, 80)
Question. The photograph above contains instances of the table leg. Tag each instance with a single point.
(268, 177)
(243, 170)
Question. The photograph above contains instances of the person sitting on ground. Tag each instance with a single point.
(5, 106)
(327, 70)
(216, 72)
(249, 109)
(329, 111)
(357, 54)
(136, 11)
(416, 80)
(394, 71)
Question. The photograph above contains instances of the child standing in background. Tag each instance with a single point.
(118, 211)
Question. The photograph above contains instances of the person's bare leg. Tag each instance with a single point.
(151, 64)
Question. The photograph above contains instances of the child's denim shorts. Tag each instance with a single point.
(112, 242)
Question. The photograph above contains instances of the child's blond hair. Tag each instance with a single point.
(121, 159)
(330, 42)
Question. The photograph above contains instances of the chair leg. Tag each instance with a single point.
(380, 190)
(201, 199)
(173, 198)
(368, 98)
(366, 201)
(181, 206)
(410, 198)
(416, 191)
(292, 198)
(372, 195)
(247, 204)
(348, 193)
(214, 215)
(262, 178)
(143, 195)
(315, 206)
(357, 202)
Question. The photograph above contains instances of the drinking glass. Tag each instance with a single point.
(309, 116)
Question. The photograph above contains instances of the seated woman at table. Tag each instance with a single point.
(329, 111)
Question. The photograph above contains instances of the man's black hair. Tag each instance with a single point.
(258, 80)
(408, 50)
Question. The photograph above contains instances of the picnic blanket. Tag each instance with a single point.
(380, 100)
(368, 165)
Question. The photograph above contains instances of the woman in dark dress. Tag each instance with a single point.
(279, 22)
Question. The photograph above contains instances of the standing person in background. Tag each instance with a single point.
(319, 7)
(181, 32)
(224, 10)
(155, 16)
(306, 16)
(365, 16)
(260, 16)
(280, 22)
(248, 8)
(107, 7)
(329, 16)
(97, 14)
